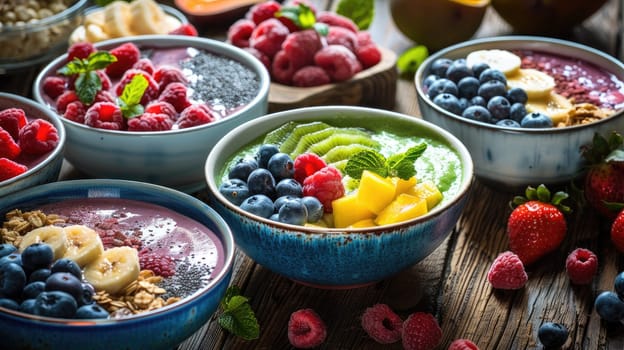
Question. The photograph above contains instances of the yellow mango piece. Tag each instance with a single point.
(363, 224)
(401, 186)
(348, 210)
(427, 191)
(375, 192)
(403, 208)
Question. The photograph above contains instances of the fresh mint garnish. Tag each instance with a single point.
(237, 317)
(398, 165)
(130, 99)
(359, 11)
(303, 17)
(409, 61)
(88, 83)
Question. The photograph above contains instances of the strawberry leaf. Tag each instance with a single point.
(237, 317)
(361, 12)
(87, 86)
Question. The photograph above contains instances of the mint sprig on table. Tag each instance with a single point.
(237, 317)
(398, 165)
(88, 83)
(361, 12)
(303, 17)
(130, 100)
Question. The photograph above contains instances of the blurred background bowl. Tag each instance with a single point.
(216, 12)
(42, 169)
(172, 158)
(511, 158)
(36, 34)
(163, 328)
(331, 257)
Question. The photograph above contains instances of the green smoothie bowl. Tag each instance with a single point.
(286, 185)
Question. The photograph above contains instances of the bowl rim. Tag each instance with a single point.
(60, 128)
(226, 236)
(452, 141)
(219, 48)
(419, 76)
(76, 8)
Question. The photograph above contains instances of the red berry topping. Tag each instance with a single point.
(240, 31)
(382, 324)
(75, 111)
(185, 29)
(66, 98)
(368, 55)
(617, 231)
(146, 65)
(364, 38)
(105, 115)
(175, 94)
(54, 86)
(342, 36)
(259, 55)
(507, 272)
(8, 147)
(103, 96)
(338, 61)
(263, 11)
(282, 68)
(38, 137)
(193, 115)
(268, 36)
(80, 50)
(12, 120)
(166, 75)
(326, 185)
(127, 55)
(421, 332)
(463, 344)
(106, 82)
(301, 46)
(151, 92)
(161, 265)
(150, 122)
(307, 164)
(162, 107)
(306, 329)
(581, 266)
(310, 76)
(334, 19)
(10, 169)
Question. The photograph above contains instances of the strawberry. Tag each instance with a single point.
(537, 225)
(604, 181)
(617, 231)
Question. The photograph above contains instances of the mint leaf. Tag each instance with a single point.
(237, 317)
(366, 160)
(75, 66)
(130, 99)
(87, 86)
(321, 28)
(88, 83)
(409, 61)
(402, 165)
(100, 60)
(359, 11)
(303, 17)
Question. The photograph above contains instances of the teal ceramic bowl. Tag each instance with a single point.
(162, 328)
(344, 258)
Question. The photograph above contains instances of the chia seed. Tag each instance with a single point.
(188, 279)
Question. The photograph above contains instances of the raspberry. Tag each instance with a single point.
(617, 231)
(12, 120)
(581, 266)
(307, 164)
(185, 29)
(103, 96)
(240, 31)
(127, 55)
(151, 92)
(104, 79)
(334, 19)
(368, 55)
(507, 272)
(364, 38)
(175, 94)
(105, 115)
(80, 50)
(75, 111)
(146, 65)
(301, 47)
(260, 56)
(8, 147)
(10, 169)
(54, 86)
(66, 98)
(306, 329)
(161, 265)
(338, 61)
(166, 75)
(194, 115)
(150, 122)
(310, 76)
(421, 332)
(326, 185)
(282, 69)
(382, 324)
(463, 344)
(262, 11)
(162, 107)
(342, 36)
(38, 137)
(268, 37)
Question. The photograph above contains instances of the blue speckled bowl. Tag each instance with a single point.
(511, 158)
(171, 158)
(337, 258)
(48, 169)
(164, 328)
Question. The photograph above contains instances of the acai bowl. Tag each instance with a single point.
(359, 251)
(151, 220)
(225, 86)
(578, 88)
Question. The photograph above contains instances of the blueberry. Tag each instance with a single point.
(478, 101)
(468, 87)
(619, 285)
(242, 169)
(536, 120)
(15, 258)
(479, 67)
(12, 279)
(492, 74)
(289, 187)
(55, 304)
(9, 303)
(28, 306)
(478, 113)
(552, 335)
(87, 294)
(36, 256)
(281, 166)
(517, 95)
(429, 80)
(274, 217)
(281, 200)
(442, 86)
(92, 311)
(458, 70)
(492, 88)
(463, 104)
(609, 307)
(439, 66)
(39, 275)
(448, 102)
(234, 190)
(314, 207)
(65, 282)
(261, 181)
(517, 111)
(6, 249)
(264, 153)
(66, 265)
(508, 123)
(31, 290)
(498, 107)
(258, 204)
(293, 212)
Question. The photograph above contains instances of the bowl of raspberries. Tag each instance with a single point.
(524, 106)
(338, 196)
(149, 108)
(32, 139)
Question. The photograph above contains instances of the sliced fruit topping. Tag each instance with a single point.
(54, 236)
(114, 269)
(535, 83)
(83, 244)
(503, 60)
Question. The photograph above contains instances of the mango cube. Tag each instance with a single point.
(427, 191)
(348, 210)
(375, 192)
(404, 207)
(402, 186)
(363, 224)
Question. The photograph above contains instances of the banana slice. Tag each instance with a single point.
(503, 60)
(54, 236)
(536, 84)
(94, 34)
(83, 244)
(113, 270)
(117, 18)
(555, 106)
(147, 17)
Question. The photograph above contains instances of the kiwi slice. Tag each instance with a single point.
(339, 153)
(306, 141)
(326, 145)
(297, 132)
(277, 136)
(340, 165)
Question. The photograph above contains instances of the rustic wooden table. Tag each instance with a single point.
(451, 283)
